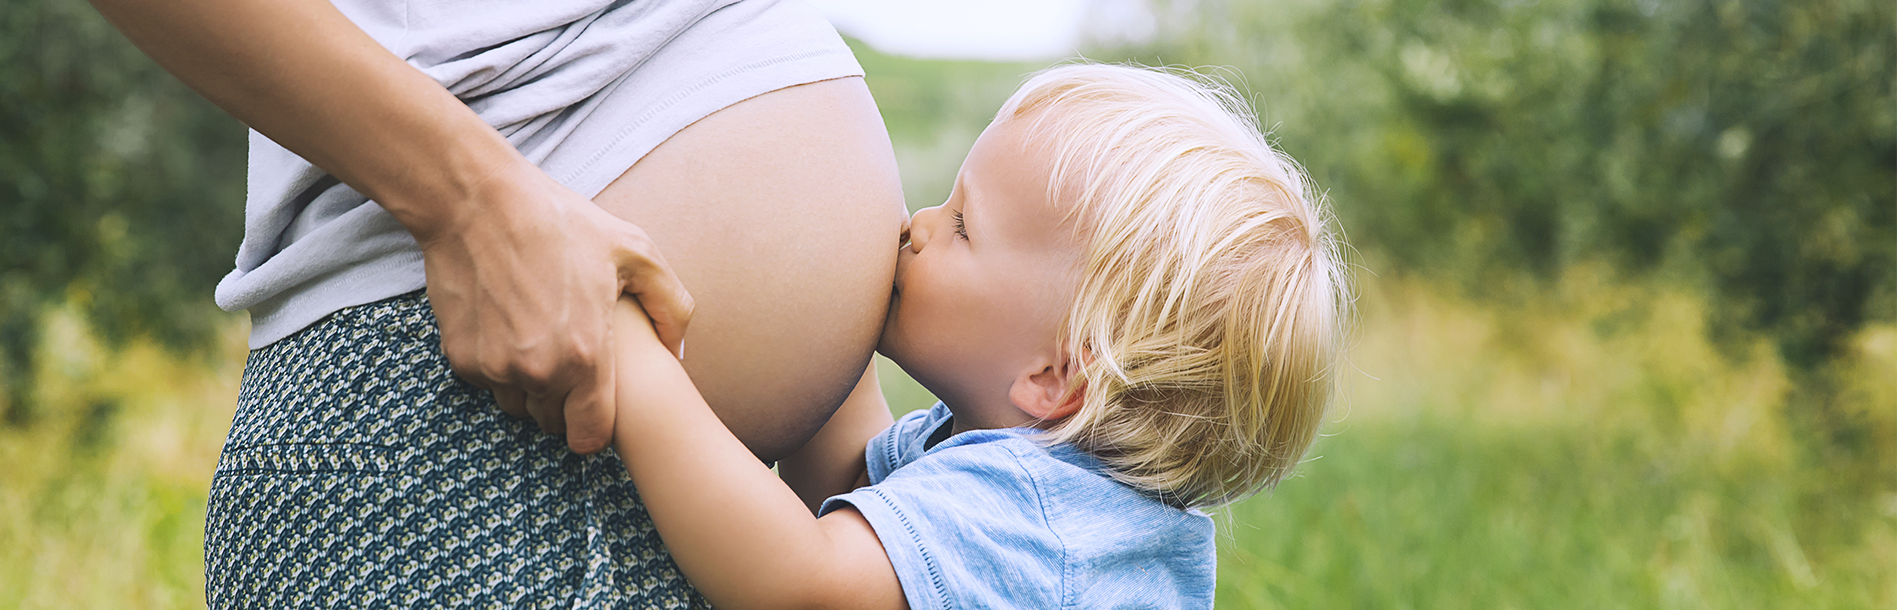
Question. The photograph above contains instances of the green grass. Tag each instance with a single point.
(1435, 513)
(1586, 465)
(102, 497)
(1423, 509)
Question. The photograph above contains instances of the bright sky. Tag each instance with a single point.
(981, 29)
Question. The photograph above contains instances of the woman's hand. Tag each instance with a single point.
(521, 270)
(524, 289)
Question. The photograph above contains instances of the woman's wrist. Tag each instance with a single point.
(469, 183)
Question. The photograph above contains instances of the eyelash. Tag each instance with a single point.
(961, 230)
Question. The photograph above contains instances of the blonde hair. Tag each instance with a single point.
(1212, 299)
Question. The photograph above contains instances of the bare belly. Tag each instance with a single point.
(782, 215)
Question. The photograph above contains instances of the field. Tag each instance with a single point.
(1476, 464)
(1600, 439)
(1480, 458)
(1523, 460)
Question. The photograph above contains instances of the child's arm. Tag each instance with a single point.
(832, 462)
(739, 534)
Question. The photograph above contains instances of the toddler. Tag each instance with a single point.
(1129, 306)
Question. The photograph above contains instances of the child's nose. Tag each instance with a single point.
(922, 226)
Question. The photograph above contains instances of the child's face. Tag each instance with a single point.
(985, 281)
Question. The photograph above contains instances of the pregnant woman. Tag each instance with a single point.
(446, 198)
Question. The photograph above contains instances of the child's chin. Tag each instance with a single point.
(891, 348)
(887, 342)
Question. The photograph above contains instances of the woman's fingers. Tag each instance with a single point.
(670, 307)
(523, 296)
(549, 411)
(524, 299)
(589, 410)
(646, 276)
(512, 401)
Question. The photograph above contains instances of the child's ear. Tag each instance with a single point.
(1041, 390)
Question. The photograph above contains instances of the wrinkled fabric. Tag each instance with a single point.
(583, 88)
(993, 519)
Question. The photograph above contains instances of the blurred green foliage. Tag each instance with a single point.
(121, 191)
(1741, 149)
(1559, 199)
(934, 110)
(1747, 146)
(1661, 373)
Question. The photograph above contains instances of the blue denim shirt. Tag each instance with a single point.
(992, 519)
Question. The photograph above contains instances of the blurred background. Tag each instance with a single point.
(1627, 330)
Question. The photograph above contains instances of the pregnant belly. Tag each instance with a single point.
(781, 215)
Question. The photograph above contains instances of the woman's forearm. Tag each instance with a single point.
(302, 74)
(741, 536)
(522, 272)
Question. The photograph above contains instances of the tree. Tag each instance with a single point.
(120, 190)
(1749, 145)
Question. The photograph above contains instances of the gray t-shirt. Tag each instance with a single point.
(993, 519)
(583, 88)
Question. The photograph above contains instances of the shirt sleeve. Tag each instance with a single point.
(964, 528)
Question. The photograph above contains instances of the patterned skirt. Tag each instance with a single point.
(360, 472)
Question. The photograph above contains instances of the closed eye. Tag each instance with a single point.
(961, 230)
